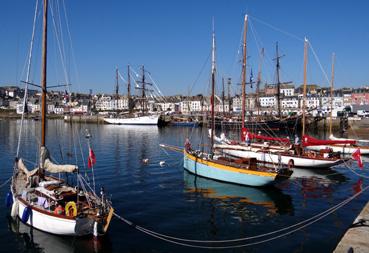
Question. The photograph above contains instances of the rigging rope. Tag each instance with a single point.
(294, 228)
(27, 79)
(6, 182)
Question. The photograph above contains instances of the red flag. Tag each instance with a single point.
(357, 156)
(244, 131)
(91, 158)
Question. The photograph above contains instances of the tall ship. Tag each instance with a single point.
(139, 118)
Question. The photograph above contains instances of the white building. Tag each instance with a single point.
(287, 90)
(269, 101)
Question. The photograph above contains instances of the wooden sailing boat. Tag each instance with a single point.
(48, 203)
(276, 149)
(136, 119)
(342, 145)
(215, 166)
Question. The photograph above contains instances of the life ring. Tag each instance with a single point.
(71, 205)
(291, 164)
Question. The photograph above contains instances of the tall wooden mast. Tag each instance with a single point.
(143, 91)
(116, 88)
(129, 89)
(212, 99)
(332, 83)
(244, 73)
(128, 83)
(278, 81)
(223, 96)
(257, 103)
(43, 76)
(304, 97)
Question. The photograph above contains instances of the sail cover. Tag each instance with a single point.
(311, 141)
(269, 138)
(49, 166)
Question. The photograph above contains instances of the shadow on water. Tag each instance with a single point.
(33, 240)
(235, 196)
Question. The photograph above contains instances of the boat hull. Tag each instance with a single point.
(344, 149)
(225, 173)
(142, 120)
(48, 223)
(297, 161)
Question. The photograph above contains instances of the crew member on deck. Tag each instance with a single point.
(297, 145)
(188, 146)
(248, 138)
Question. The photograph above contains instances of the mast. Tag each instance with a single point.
(332, 82)
(244, 73)
(229, 82)
(223, 98)
(129, 84)
(143, 91)
(116, 88)
(261, 58)
(304, 97)
(212, 99)
(278, 68)
(278, 81)
(43, 76)
(129, 89)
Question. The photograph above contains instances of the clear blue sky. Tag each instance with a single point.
(172, 39)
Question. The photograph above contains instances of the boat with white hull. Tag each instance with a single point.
(277, 156)
(343, 149)
(139, 120)
(51, 223)
(48, 203)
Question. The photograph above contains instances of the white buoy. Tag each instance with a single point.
(162, 163)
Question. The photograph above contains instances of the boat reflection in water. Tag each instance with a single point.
(33, 240)
(237, 196)
(314, 184)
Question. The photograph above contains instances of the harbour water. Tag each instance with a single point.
(170, 201)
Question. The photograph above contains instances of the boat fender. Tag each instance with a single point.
(27, 212)
(95, 233)
(9, 199)
(71, 209)
(14, 211)
(291, 164)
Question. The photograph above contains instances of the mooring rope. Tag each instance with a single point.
(294, 228)
(6, 182)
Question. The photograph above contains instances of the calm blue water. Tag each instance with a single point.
(169, 200)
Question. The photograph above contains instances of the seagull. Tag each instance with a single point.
(162, 163)
(145, 161)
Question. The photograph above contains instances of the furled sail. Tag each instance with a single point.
(269, 138)
(310, 141)
(46, 164)
(24, 169)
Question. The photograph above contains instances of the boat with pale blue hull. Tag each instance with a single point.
(220, 169)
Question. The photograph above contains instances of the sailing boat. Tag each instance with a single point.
(47, 203)
(215, 166)
(342, 145)
(136, 119)
(273, 149)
